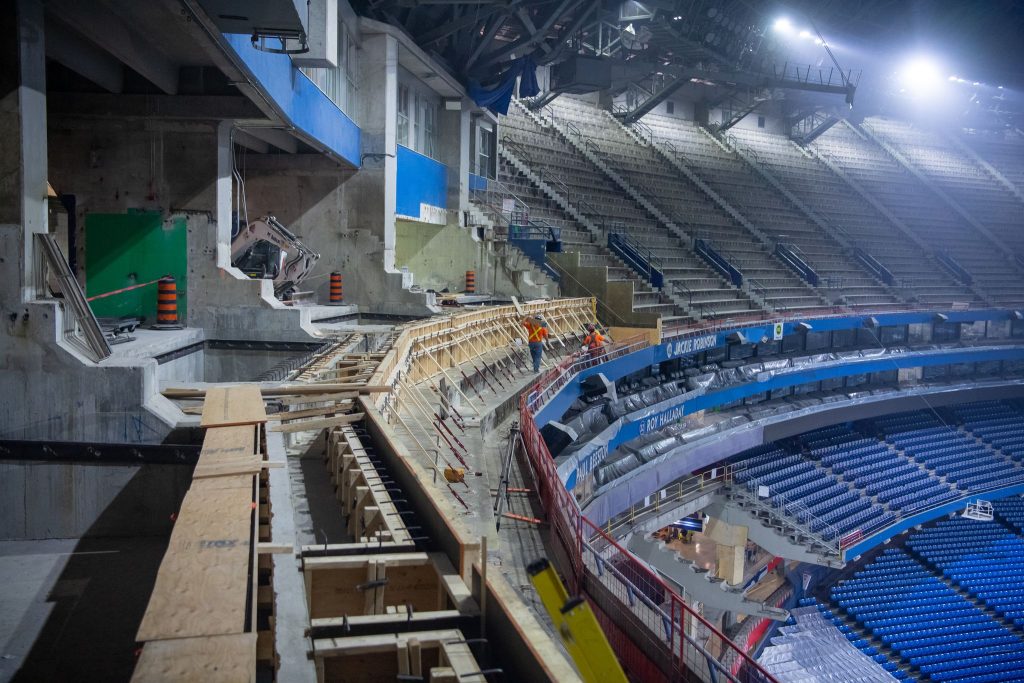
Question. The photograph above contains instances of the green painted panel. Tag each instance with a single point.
(125, 249)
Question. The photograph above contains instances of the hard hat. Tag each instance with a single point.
(590, 327)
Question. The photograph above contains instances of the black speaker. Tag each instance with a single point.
(557, 436)
(593, 386)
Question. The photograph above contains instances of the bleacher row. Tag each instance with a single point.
(948, 607)
(860, 477)
(912, 223)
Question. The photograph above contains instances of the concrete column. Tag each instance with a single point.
(23, 166)
(375, 185)
(453, 147)
(731, 542)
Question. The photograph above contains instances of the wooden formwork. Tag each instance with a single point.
(372, 516)
(424, 349)
(201, 622)
(384, 588)
(440, 656)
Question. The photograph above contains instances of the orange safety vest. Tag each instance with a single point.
(594, 341)
(535, 333)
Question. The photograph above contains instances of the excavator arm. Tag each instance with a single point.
(265, 249)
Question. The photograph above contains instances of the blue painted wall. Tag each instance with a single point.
(477, 182)
(304, 105)
(620, 367)
(420, 180)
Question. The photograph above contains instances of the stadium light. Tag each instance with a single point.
(783, 25)
(920, 71)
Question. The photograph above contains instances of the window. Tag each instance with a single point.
(417, 119)
(337, 82)
(760, 122)
(428, 144)
(484, 150)
(403, 115)
(670, 107)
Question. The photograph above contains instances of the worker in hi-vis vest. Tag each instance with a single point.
(594, 343)
(536, 333)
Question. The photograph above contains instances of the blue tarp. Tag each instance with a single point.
(498, 98)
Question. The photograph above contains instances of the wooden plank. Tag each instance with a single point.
(285, 389)
(350, 562)
(399, 616)
(316, 398)
(217, 659)
(311, 412)
(220, 468)
(226, 481)
(233, 405)
(326, 423)
(202, 583)
(385, 642)
(228, 442)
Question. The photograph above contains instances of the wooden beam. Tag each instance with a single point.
(286, 415)
(326, 423)
(286, 390)
(233, 405)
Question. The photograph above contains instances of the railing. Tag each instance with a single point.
(805, 520)
(561, 374)
(789, 254)
(874, 266)
(80, 325)
(654, 633)
(639, 258)
(955, 268)
(667, 498)
(704, 249)
(756, 287)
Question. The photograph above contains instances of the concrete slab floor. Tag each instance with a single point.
(70, 609)
(317, 513)
(149, 343)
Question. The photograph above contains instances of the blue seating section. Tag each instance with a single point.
(930, 626)
(810, 494)
(948, 452)
(878, 470)
(1012, 511)
(982, 558)
(890, 467)
(998, 424)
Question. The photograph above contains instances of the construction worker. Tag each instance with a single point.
(536, 333)
(593, 343)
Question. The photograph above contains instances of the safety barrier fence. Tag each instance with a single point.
(655, 633)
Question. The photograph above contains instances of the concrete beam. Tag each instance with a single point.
(69, 48)
(296, 165)
(241, 137)
(280, 139)
(210, 107)
(116, 36)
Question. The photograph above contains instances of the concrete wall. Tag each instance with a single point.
(617, 297)
(41, 500)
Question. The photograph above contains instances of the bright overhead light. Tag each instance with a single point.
(952, 78)
(805, 34)
(783, 25)
(819, 41)
(920, 73)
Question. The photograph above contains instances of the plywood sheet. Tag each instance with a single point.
(228, 442)
(219, 659)
(202, 584)
(234, 405)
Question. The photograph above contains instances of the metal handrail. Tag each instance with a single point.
(80, 327)
(651, 262)
(663, 498)
(789, 508)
